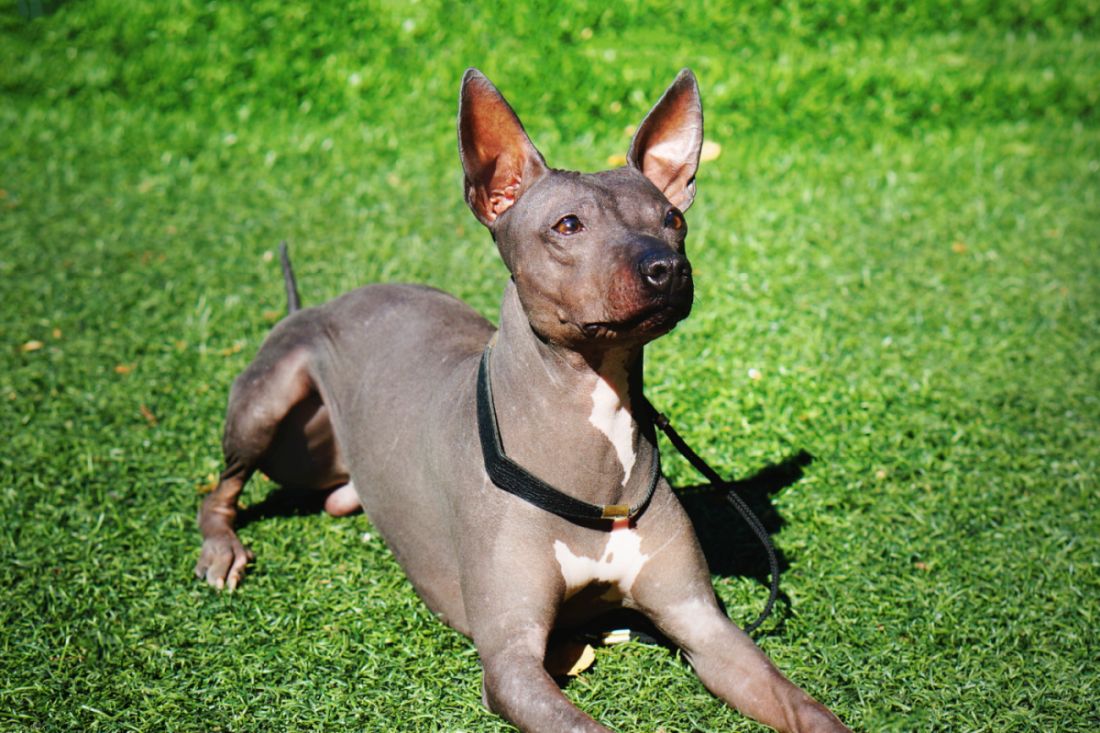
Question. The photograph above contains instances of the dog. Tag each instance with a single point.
(513, 471)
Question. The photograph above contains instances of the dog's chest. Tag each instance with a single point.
(617, 566)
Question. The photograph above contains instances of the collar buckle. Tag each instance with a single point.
(615, 511)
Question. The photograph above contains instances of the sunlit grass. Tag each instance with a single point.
(897, 272)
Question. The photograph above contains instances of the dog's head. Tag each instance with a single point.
(597, 258)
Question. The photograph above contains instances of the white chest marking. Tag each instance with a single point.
(611, 418)
(619, 565)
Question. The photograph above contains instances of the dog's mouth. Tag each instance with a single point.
(653, 320)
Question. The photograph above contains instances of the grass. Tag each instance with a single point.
(897, 272)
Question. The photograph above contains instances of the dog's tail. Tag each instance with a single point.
(293, 300)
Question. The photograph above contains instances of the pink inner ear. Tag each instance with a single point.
(501, 199)
(664, 166)
(667, 145)
(498, 158)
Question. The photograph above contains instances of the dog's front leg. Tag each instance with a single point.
(726, 659)
(512, 603)
(518, 688)
(736, 670)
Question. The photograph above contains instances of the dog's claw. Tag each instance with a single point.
(222, 561)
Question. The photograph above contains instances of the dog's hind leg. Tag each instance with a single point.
(343, 501)
(275, 422)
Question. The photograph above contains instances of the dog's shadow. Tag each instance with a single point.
(730, 547)
(283, 501)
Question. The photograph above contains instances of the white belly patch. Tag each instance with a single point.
(619, 565)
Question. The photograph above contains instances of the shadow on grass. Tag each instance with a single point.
(731, 548)
(284, 501)
(32, 9)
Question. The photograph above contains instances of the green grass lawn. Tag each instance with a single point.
(898, 271)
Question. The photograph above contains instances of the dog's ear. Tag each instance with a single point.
(498, 158)
(667, 144)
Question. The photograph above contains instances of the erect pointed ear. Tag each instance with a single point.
(667, 144)
(498, 158)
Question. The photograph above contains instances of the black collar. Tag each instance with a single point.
(513, 478)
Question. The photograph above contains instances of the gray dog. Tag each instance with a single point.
(513, 472)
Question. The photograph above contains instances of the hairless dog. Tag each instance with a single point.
(403, 400)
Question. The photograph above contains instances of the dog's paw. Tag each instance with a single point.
(222, 561)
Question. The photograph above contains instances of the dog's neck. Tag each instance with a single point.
(567, 417)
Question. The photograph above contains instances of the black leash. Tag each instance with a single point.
(515, 479)
(757, 527)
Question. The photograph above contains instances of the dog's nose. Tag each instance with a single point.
(665, 272)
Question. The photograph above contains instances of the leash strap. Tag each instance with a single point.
(515, 479)
(757, 527)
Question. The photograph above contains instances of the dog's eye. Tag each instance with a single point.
(568, 225)
(674, 219)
